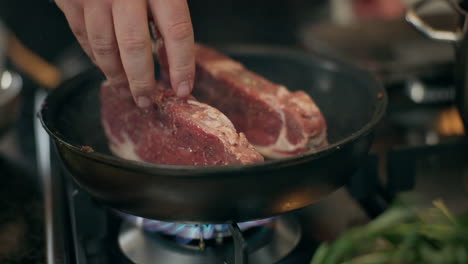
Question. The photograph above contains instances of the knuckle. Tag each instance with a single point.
(180, 31)
(134, 45)
(139, 84)
(103, 46)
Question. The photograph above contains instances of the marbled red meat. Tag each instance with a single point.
(173, 131)
(279, 123)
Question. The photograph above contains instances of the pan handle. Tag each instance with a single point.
(441, 35)
(371, 193)
(367, 190)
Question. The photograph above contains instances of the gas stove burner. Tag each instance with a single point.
(185, 233)
(268, 241)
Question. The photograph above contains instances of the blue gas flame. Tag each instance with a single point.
(185, 233)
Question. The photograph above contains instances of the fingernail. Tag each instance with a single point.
(183, 89)
(143, 101)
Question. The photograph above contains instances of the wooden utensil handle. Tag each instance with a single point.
(33, 65)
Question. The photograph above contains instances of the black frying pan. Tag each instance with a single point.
(351, 100)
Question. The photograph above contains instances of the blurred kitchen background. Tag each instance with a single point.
(419, 148)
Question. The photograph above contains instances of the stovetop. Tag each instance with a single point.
(92, 233)
(87, 232)
(405, 157)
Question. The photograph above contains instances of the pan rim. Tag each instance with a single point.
(205, 171)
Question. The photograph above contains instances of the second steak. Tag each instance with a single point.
(279, 123)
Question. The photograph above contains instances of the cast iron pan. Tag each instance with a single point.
(352, 101)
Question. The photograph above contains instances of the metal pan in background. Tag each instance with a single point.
(458, 37)
(389, 48)
(351, 100)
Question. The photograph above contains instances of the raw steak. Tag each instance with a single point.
(279, 123)
(173, 131)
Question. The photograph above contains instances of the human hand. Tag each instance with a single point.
(115, 35)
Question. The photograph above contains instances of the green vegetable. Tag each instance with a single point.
(402, 236)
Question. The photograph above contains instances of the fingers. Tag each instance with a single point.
(74, 13)
(115, 35)
(131, 29)
(174, 23)
(102, 40)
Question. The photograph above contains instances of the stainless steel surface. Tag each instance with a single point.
(442, 35)
(143, 248)
(45, 173)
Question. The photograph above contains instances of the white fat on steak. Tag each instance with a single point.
(124, 148)
(278, 122)
(217, 66)
(216, 123)
(282, 147)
